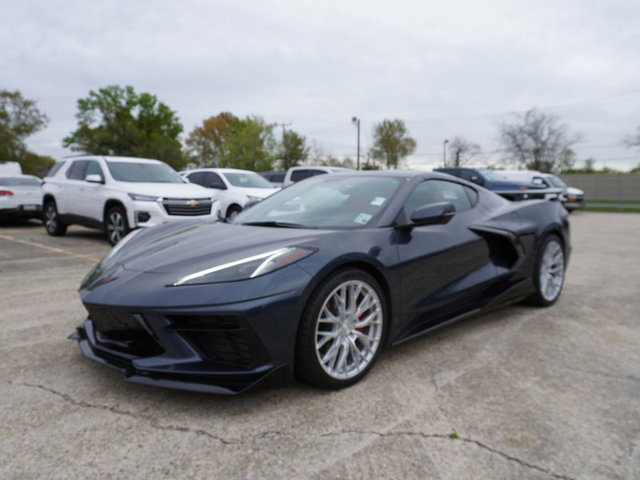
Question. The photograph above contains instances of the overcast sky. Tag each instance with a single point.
(446, 68)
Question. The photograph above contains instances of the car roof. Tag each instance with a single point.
(112, 158)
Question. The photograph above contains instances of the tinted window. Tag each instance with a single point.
(298, 175)
(198, 178)
(435, 191)
(214, 181)
(143, 172)
(77, 170)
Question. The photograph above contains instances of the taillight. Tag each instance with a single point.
(5, 193)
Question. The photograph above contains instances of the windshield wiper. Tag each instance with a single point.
(273, 223)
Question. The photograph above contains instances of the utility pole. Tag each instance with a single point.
(444, 149)
(356, 122)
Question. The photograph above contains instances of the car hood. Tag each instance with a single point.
(574, 191)
(182, 248)
(171, 190)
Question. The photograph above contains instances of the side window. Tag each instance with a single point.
(467, 174)
(434, 191)
(93, 168)
(197, 178)
(315, 173)
(298, 175)
(77, 170)
(214, 181)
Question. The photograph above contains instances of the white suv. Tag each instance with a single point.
(118, 194)
(236, 188)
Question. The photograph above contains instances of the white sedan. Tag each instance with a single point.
(20, 196)
(235, 187)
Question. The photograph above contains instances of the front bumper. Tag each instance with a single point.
(231, 350)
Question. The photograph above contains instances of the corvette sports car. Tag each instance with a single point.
(314, 281)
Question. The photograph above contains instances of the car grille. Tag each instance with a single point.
(220, 339)
(187, 207)
(123, 332)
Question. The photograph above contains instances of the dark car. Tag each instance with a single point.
(315, 280)
(495, 181)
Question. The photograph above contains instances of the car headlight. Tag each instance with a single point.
(248, 267)
(143, 198)
(252, 198)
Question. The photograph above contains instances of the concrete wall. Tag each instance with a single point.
(620, 187)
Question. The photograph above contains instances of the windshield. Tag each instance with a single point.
(326, 201)
(556, 182)
(143, 172)
(492, 176)
(247, 180)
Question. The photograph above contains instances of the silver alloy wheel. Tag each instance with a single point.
(115, 226)
(349, 329)
(50, 217)
(551, 274)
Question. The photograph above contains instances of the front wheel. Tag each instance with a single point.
(549, 272)
(341, 331)
(51, 220)
(116, 224)
(232, 212)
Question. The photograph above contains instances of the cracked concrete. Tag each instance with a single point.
(522, 393)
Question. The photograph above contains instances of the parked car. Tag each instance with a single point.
(316, 289)
(276, 177)
(494, 180)
(571, 197)
(20, 196)
(295, 174)
(118, 194)
(236, 188)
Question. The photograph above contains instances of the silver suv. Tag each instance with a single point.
(118, 194)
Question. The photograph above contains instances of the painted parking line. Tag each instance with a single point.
(51, 249)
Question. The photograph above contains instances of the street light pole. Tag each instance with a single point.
(356, 122)
(444, 148)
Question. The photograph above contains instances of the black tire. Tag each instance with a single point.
(549, 272)
(51, 220)
(116, 224)
(232, 211)
(329, 339)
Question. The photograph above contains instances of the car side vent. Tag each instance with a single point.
(504, 249)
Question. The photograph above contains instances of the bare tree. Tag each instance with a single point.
(536, 140)
(463, 151)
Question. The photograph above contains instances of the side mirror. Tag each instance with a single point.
(476, 179)
(432, 214)
(94, 178)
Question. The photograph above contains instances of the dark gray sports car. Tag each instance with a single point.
(314, 281)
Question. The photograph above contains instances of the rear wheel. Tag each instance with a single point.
(341, 331)
(116, 224)
(52, 220)
(549, 272)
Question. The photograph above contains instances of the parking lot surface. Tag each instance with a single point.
(522, 393)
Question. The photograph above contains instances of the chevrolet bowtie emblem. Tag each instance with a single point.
(192, 203)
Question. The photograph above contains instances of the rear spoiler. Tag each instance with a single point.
(531, 194)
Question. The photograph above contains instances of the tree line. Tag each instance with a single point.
(117, 120)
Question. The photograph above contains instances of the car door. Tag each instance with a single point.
(443, 267)
(91, 194)
(67, 199)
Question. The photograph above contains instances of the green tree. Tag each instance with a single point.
(118, 121)
(293, 149)
(250, 145)
(391, 142)
(536, 140)
(206, 143)
(20, 118)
